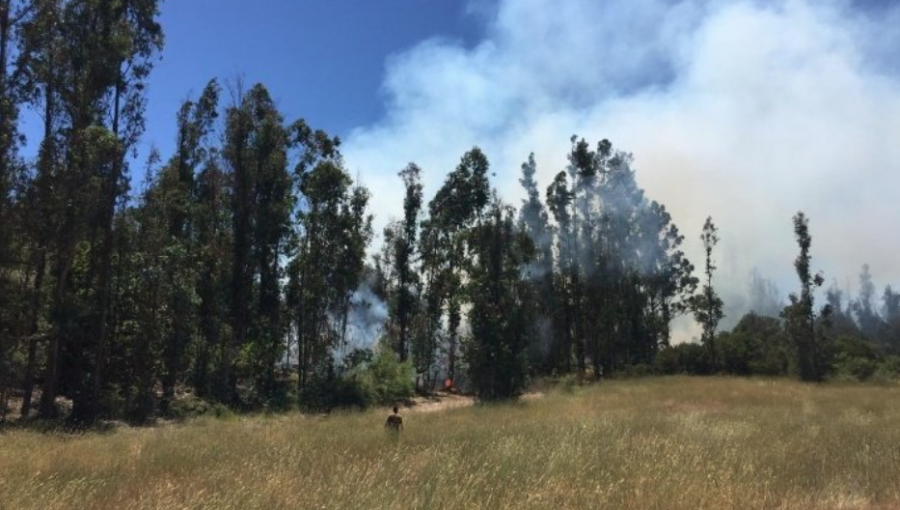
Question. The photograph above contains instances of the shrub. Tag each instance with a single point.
(192, 406)
(855, 368)
(686, 358)
(386, 380)
(324, 393)
(568, 383)
(854, 358)
(635, 371)
(383, 380)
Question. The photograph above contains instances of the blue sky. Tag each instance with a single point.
(323, 60)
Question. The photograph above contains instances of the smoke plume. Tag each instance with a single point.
(746, 111)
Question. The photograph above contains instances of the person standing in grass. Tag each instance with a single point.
(394, 422)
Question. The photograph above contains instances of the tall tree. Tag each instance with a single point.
(559, 201)
(800, 315)
(707, 306)
(10, 15)
(535, 222)
(91, 58)
(500, 316)
(404, 251)
(457, 207)
(40, 50)
(891, 306)
(864, 308)
(334, 232)
(177, 187)
(256, 150)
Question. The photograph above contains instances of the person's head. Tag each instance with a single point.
(396, 409)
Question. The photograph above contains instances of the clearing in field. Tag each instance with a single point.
(667, 443)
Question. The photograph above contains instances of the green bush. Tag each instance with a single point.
(855, 368)
(854, 358)
(756, 345)
(192, 406)
(382, 380)
(283, 397)
(635, 371)
(888, 370)
(890, 365)
(568, 383)
(322, 394)
(386, 379)
(686, 358)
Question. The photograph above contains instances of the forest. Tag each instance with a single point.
(241, 272)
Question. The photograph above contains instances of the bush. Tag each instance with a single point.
(386, 380)
(322, 394)
(890, 367)
(756, 345)
(855, 368)
(635, 371)
(383, 380)
(686, 358)
(568, 383)
(854, 358)
(282, 398)
(192, 406)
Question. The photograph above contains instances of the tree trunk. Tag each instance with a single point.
(28, 383)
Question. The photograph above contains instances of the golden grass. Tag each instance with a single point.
(668, 443)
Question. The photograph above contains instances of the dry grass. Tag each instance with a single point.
(671, 443)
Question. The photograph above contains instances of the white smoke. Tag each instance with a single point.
(746, 111)
(365, 324)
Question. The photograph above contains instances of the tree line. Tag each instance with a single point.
(236, 271)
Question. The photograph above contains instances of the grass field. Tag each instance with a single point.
(667, 443)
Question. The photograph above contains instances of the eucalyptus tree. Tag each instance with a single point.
(800, 315)
(559, 201)
(864, 308)
(620, 273)
(501, 306)
(40, 51)
(457, 207)
(256, 151)
(214, 242)
(176, 189)
(397, 267)
(334, 230)
(535, 222)
(891, 311)
(87, 61)
(404, 254)
(707, 306)
(11, 14)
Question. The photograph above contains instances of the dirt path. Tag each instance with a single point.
(439, 402)
(442, 401)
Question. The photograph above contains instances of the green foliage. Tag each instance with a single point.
(502, 303)
(707, 306)
(369, 380)
(191, 406)
(756, 345)
(636, 371)
(685, 358)
(322, 394)
(888, 370)
(855, 358)
(386, 380)
(800, 316)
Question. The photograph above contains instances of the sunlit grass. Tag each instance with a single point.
(670, 443)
